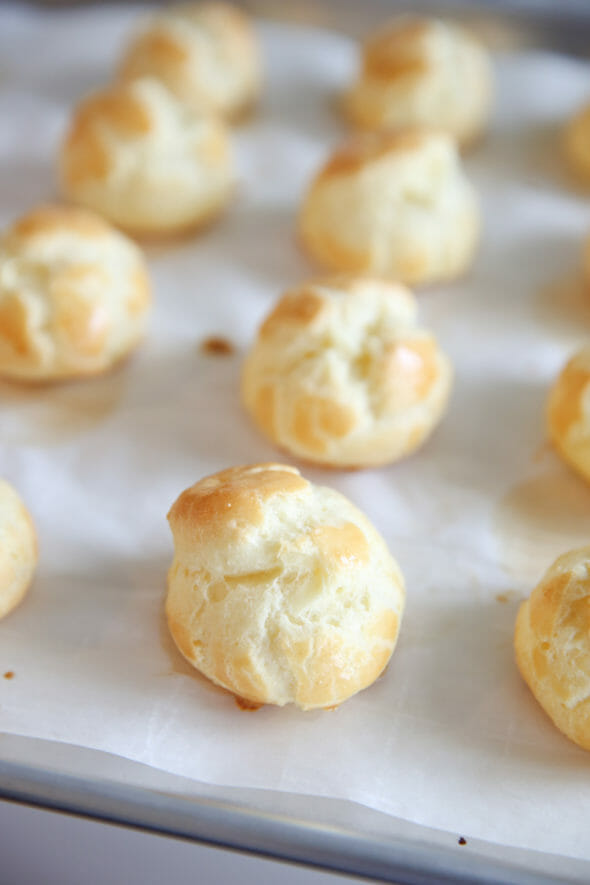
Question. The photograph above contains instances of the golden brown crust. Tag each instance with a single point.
(74, 299)
(14, 326)
(81, 325)
(300, 306)
(299, 603)
(335, 255)
(413, 367)
(397, 51)
(422, 72)
(303, 427)
(87, 157)
(370, 147)
(316, 419)
(135, 154)
(236, 495)
(345, 544)
(565, 405)
(568, 415)
(115, 109)
(576, 146)
(206, 54)
(340, 374)
(54, 219)
(552, 644)
(161, 48)
(320, 678)
(394, 205)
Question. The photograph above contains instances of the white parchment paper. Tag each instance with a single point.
(449, 736)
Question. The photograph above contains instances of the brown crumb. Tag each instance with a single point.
(245, 704)
(216, 346)
(501, 597)
(462, 841)
(9, 674)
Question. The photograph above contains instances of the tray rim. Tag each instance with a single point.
(211, 816)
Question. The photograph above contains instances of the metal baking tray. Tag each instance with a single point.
(335, 835)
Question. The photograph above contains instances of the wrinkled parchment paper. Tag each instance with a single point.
(449, 736)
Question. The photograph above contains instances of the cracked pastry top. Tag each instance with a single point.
(74, 295)
(281, 591)
(552, 642)
(396, 205)
(418, 71)
(145, 161)
(206, 54)
(341, 374)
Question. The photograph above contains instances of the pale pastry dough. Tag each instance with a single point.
(341, 374)
(396, 205)
(74, 295)
(145, 161)
(552, 641)
(205, 53)
(423, 72)
(281, 591)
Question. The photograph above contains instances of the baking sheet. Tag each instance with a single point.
(449, 737)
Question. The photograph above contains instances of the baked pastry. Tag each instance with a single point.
(568, 412)
(205, 53)
(280, 591)
(586, 261)
(340, 374)
(576, 146)
(552, 642)
(396, 205)
(145, 161)
(74, 295)
(18, 549)
(422, 72)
